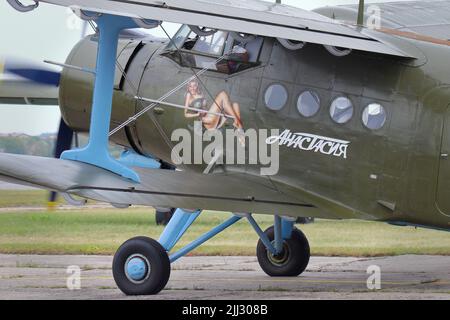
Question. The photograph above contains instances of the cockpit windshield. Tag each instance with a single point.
(220, 51)
(213, 44)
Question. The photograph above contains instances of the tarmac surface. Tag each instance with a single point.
(230, 278)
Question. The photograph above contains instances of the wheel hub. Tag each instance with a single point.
(137, 268)
(280, 258)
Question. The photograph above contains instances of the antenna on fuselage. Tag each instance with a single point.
(360, 21)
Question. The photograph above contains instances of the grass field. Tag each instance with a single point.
(25, 198)
(22, 198)
(101, 231)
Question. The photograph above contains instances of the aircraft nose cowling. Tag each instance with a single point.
(76, 87)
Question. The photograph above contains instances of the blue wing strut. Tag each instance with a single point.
(96, 152)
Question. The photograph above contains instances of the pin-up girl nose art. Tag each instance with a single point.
(214, 116)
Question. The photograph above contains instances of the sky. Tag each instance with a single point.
(49, 33)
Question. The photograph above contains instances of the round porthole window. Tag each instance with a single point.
(276, 97)
(341, 110)
(308, 103)
(374, 116)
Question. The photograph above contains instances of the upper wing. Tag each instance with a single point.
(166, 188)
(429, 18)
(250, 16)
(420, 20)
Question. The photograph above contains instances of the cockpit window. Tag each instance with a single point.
(179, 38)
(213, 44)
(218, 51)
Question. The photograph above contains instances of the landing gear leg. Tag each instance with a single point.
(141, 266)
(283, 250)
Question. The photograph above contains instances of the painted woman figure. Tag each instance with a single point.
(211, 117)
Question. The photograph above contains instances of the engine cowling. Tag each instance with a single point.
(76, 87)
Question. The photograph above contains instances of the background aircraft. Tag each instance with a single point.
(361, 109)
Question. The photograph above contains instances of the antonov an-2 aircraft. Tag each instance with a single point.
(354, 98)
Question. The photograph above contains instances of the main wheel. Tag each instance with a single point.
(141, 266)
(291, 262)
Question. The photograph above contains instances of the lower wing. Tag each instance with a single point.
(167, 188)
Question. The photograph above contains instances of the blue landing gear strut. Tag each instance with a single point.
(96, 152)
(282, 251)
(179, 224)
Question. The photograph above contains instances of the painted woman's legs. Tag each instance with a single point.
(237, 110)
(230, 108)
(223, 103)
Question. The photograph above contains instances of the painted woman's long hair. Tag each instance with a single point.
(199, 89)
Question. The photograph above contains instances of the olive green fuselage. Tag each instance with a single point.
(399, 173)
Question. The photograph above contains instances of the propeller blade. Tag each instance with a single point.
(32, 72)
(64, 139)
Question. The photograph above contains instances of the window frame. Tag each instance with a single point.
(331, 104)
(287, 96)
(385, 116)
(210, 54)
(297, 102)
(174, 54)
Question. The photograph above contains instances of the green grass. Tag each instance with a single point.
(101, 231)
(27, 198)
(23, 198)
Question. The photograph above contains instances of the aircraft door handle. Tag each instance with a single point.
(444, 156)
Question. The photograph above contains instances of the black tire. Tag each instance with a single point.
(163, 217)
(159, 267)
(291, 262)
